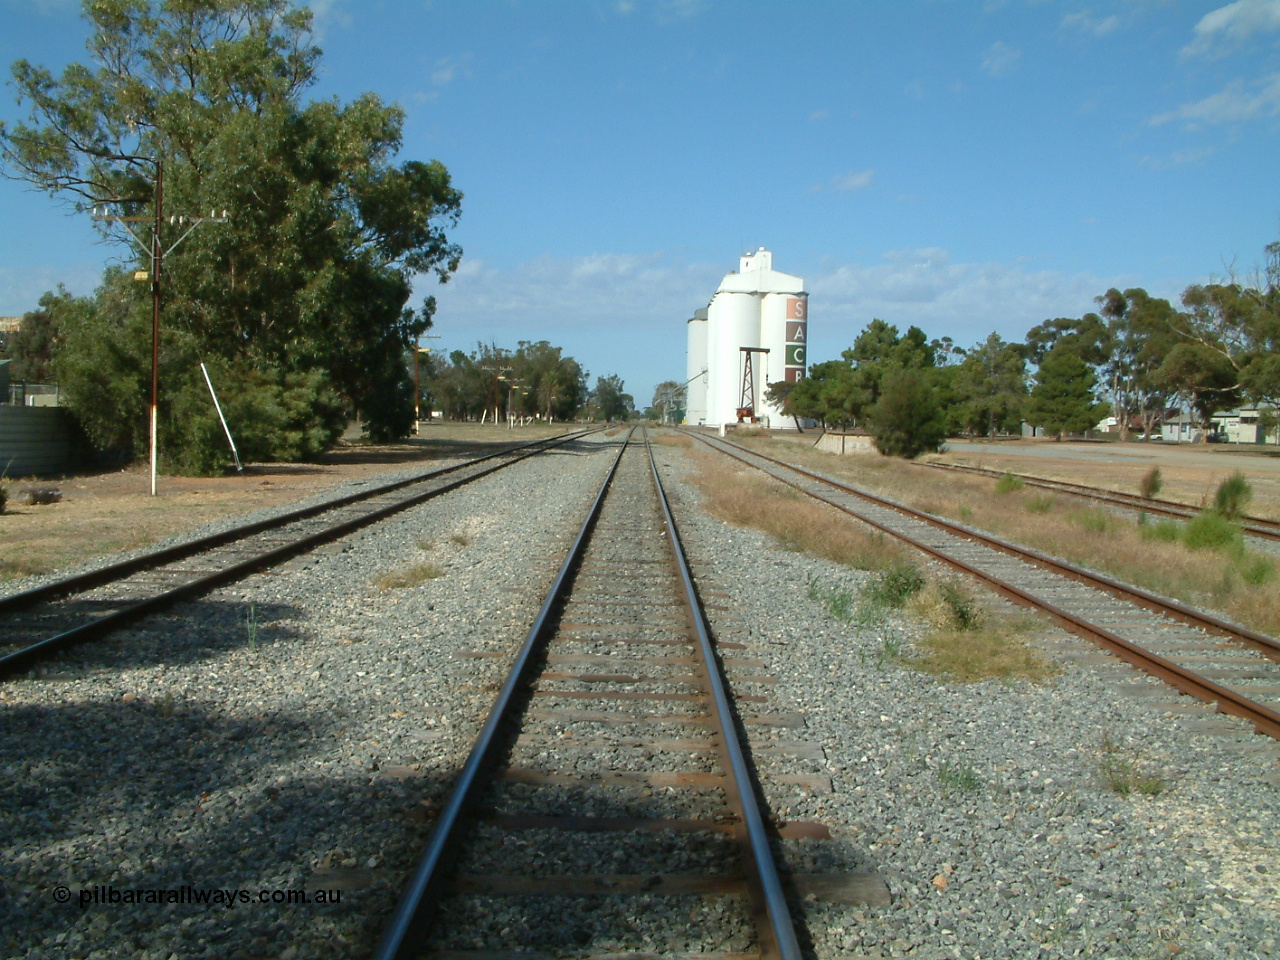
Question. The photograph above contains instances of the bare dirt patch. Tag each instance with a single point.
(103, 513)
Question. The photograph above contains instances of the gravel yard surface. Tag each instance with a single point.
(984, 806)
(289, 733)
(295, 732)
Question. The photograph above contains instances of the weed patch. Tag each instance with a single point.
(1094, 520)
(1040, 504)
(958, 776)
(406, 577)
(837, 601)
(895, 586)
(1122, 772)
(1009, 483)
(1166, 531)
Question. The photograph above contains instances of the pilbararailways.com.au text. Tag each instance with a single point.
(103, 895)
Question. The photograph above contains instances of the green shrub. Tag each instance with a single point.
(895, 586)
(1009, 483)
(1257, 570)
(907, 420)
(1233, 496)
(1212, 531)
(1151, 483)
(1040, 504)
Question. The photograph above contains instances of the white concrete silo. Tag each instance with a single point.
(762, 309)
(696, 369)
(733, 322)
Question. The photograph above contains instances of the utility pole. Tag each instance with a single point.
(417, 394)
(156, 253)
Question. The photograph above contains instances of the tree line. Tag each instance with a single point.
(1134, 358)
(536, 381)
(298, 303)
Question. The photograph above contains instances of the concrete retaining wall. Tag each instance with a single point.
(846, 443)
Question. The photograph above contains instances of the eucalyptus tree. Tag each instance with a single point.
(991, 385)
(309, 278)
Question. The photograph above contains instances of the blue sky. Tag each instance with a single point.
(962, 166)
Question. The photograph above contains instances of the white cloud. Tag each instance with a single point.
(626, 313)
(1238, 102)
(965, 301)
(1086, 22)
(447, 69)
(853, 180)
(818, 115)
(1178, 158)
(1222, 30)
(1000, 59)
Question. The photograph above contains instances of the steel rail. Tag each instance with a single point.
(411, 918)
(1261, 527)
(1268, 646)
(1262, 717)
(116, 571)
(763, 880)
(22, 659)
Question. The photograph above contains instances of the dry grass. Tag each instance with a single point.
(745, 497)
(967, 644)
(406, 577)
(963, 643)
(1240, 583)
(672, 440)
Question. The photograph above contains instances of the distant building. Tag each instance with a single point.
(755, 331)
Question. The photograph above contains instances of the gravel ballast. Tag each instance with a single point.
(295, 732)
(983, 806)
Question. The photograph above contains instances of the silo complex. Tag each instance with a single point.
(695, 371)
(758, 317)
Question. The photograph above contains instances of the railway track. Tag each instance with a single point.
(608, 806)
(1201, 655)
(38, 623)
(1261, 527)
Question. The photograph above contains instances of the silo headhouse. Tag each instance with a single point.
(754, 332)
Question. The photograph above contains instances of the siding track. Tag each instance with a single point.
(40, 622)
(1197, 653)
(607, 804)
(1261, 527)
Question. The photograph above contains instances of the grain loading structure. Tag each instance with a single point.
(753, 332)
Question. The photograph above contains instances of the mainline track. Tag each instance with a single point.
(1136, 625)
(1260, 527)
(607, 804)
(40, 622)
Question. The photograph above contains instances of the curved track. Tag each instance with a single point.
(569, 778)
(1197, 653)
(40, 622)
(1261, 527)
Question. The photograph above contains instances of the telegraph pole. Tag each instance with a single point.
(156, 254)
